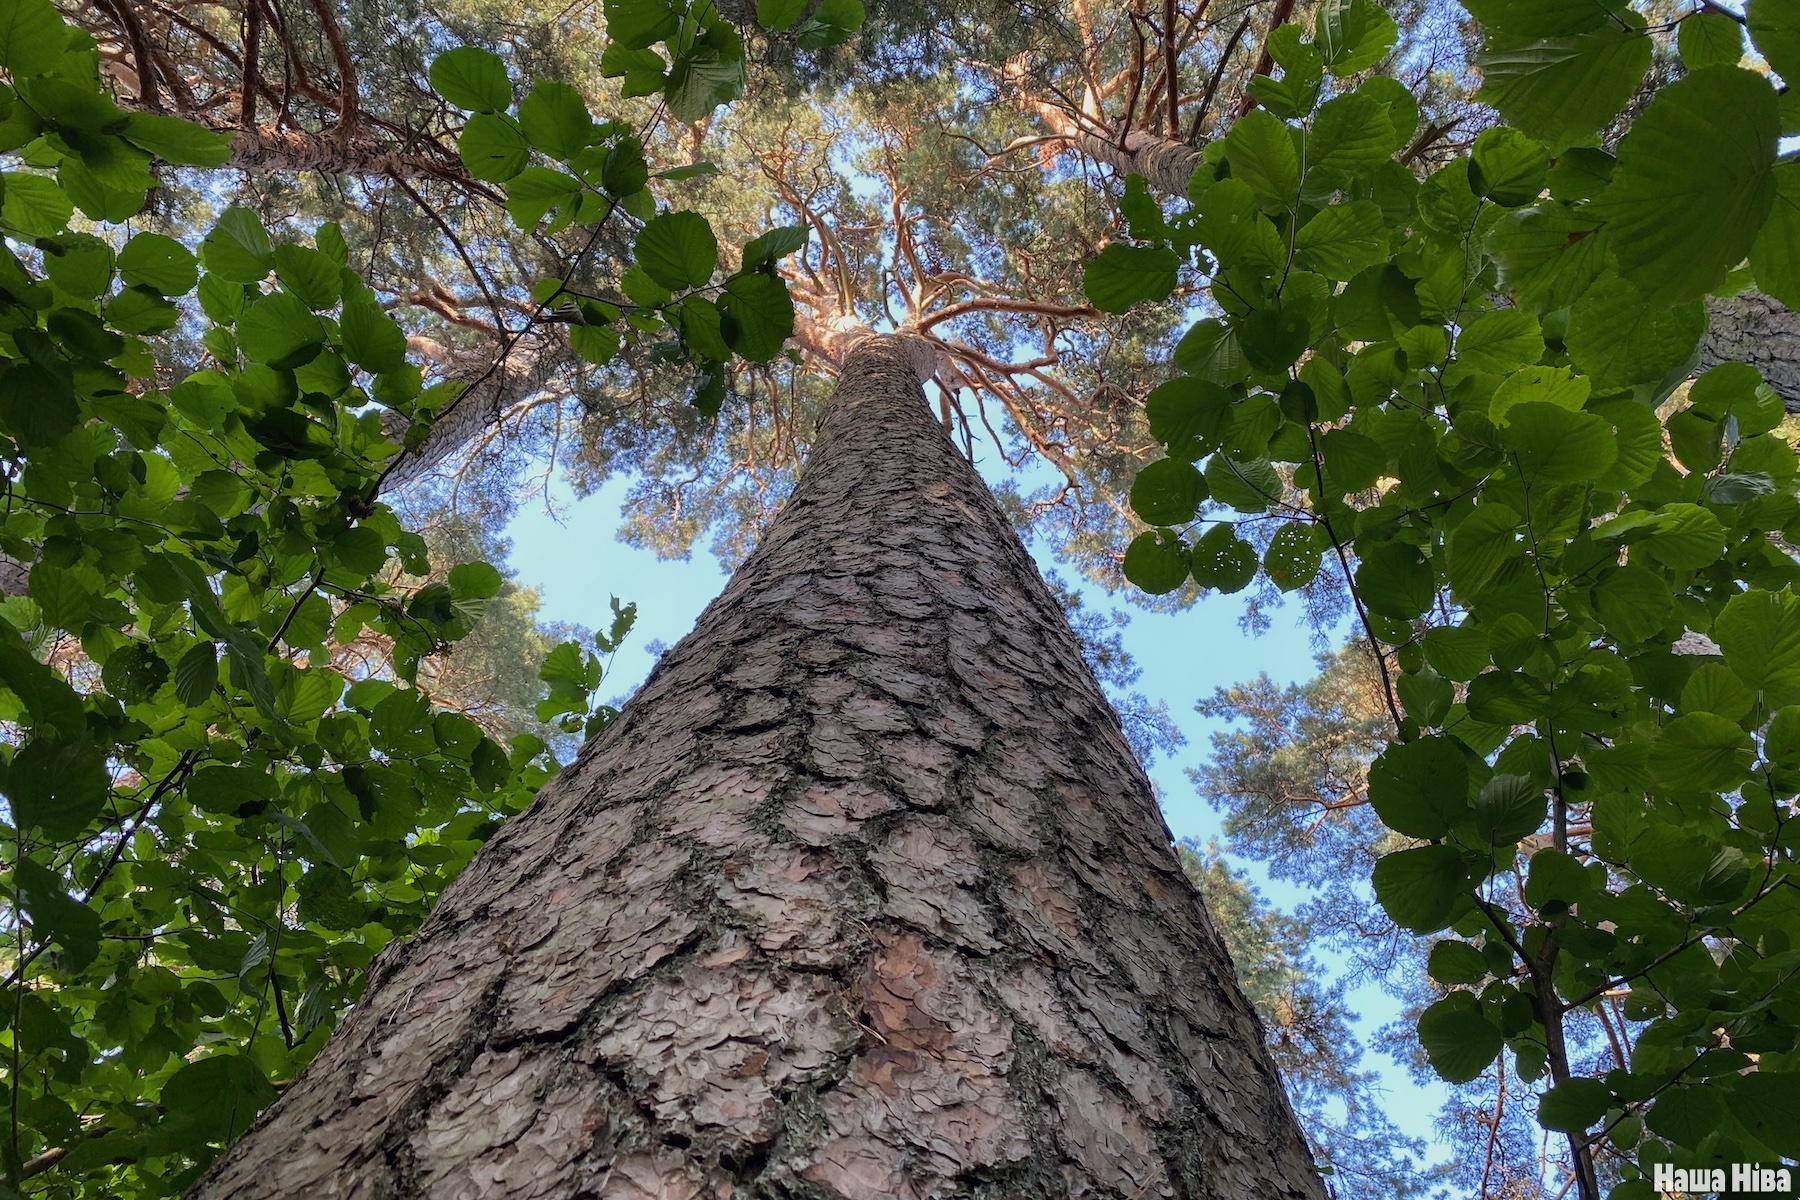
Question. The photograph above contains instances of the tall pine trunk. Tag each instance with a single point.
(864, 895)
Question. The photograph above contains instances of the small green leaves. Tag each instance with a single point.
(1694, 183)
(678, 250)
(1123, 275)
(1452, 962)
(1562, 88)
(218, 1096)
(472, 79)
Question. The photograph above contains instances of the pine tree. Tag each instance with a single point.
(864, 892)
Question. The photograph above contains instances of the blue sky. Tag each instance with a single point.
(568, 551)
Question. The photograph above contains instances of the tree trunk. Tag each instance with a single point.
(297, 151)
(863, 895)
(1750, 327)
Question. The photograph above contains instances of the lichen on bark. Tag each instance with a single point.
(863, 895)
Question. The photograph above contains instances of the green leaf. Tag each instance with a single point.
(1634, 603)
(702, 80)
(476, 581)
(176, 141)
(217, 1096)
(1351, 136)
(492, 148)
(1262, 154)
(833, 22)
(1395, 580)
(371, 338)
(756, 316)
(1619, 341)
(1508, 808)
(1156, 562)
(1293, 558)
(280, 330)
(160, 262)
(308, 274)
(1418, 888)
(1573, 1105)
(1562, 89)
(1759, 632)
(534, 191)
(1767, 1103)
(32, 37)
(237, 249)
(1353, 35)
(57, 786)
(1710, 39)
(678, 250)
(34, 206)
(1687, 537)
(1222, 560)
(1459, 1042)
(1274, 338)
(1775, 258)
(775, 245)
(1556, 878)
(1249, 487)
(555, 119)
(197, 674)
(1694, 183)
(1775, 29)
(1558, 386)
(1500, 342)
(1344, 239)
(1453, 962)
(55, 915)
(598, 344)
(472, 79)
(1167, 492)
(1121, 276)
(777, 15)
(1543, 18)
(1457, 652)
(1188, 415)
(636, 24)
(1507, 167)
(1420, 788)
(1701, 752)
(1555, 445)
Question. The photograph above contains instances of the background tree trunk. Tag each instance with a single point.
(863, 895)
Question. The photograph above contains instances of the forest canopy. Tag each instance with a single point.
(1465, 328)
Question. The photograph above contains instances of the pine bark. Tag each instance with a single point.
(1750, 327)
(863, 895)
